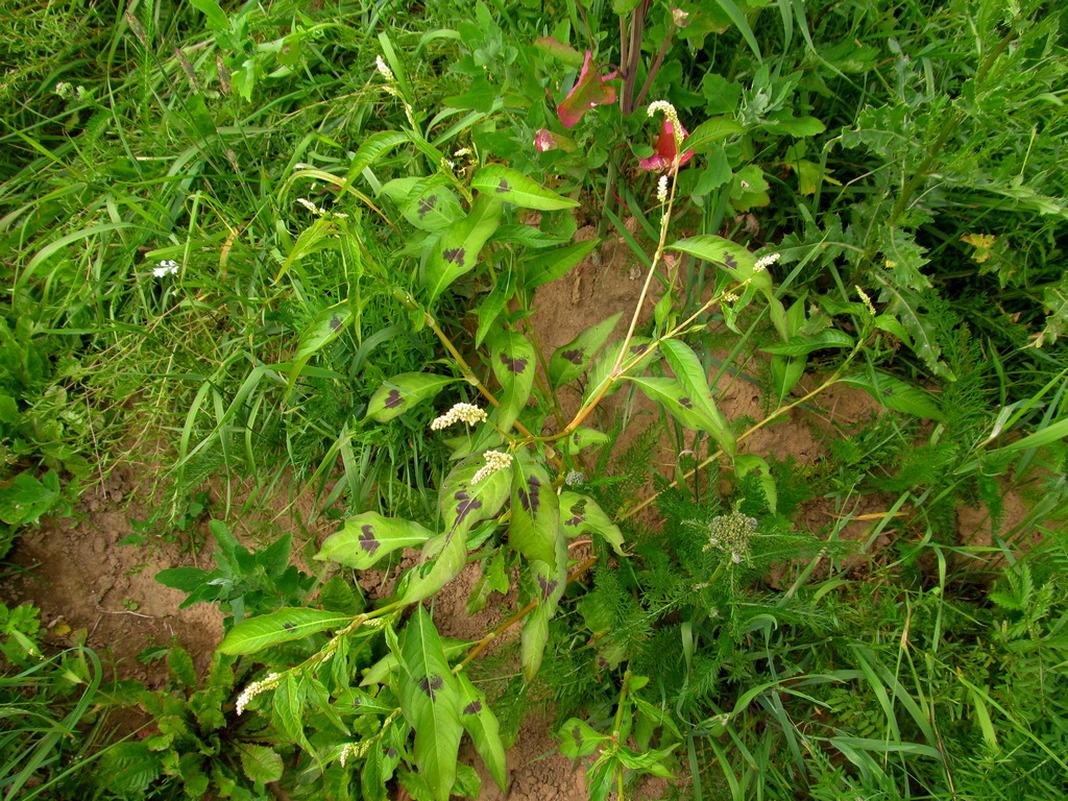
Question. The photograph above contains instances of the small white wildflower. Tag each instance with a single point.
(64, 90)
(867, 301)
(461, 412)
(730, 297)
(766, 261)
(495, 461)
(269, 682)
(383, 69)
(310, 206)
(662, 189)
(165, 268)
(463, 151)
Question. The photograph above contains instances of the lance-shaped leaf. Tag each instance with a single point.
(463, 504)
(513, 361)
(603, 365)
(447, 556)
(549, 582)
(480, 722)
(402, 392)
(589, 90)
(425, 202)
(559, 50)
(786, 371)
(580, 514)
(283, 625)
(893, 393)
(457, 252)
(579, 739)
(368, 537)
(535, 528)
(372, 148)
(324, 329)
(287, 709)
(571, 360)
(583, 437)
(431, 702)
(682, 405)
(550, 265)
(491, 306)
(691, 373)
(803, 345)
(513, 186)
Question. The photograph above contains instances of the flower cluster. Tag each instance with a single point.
(731, 533)
(495, 460)
(383, 69)
(766, 261)
(867, 301)
(353, 751)
(164, 268)
(269, 682)
(460, 413)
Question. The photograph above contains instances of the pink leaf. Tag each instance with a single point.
(590, 90)
(664, 156)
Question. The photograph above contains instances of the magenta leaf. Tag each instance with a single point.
(590, 90)
(664, 156)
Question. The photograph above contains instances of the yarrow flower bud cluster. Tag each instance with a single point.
(495, 460)
(766, 261)
(269, 682)
(460, 413)
(166, 267)
(731, 533)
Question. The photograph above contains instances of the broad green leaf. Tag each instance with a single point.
(514, 363)
(803, 345)
(786, 371)
(217, 19)
(580, 514)
(535, 526)
(549, 265)
(713, 130)
(287, 709)
(260, 762)
(579, 739)
(728, 255)
(513, 186)
(480, 722)
(425, 202)
(602, 367)
(691, 373)
(893, 393)
(564, 53)
(284, 625)
(571, 360)
(368, 537)
(457, 252)
(678, 401)
(402, 392)
(491, 307)
(795, 126)
(324, 329)
(431, 701)
(371, 149)
(462, 504)
(583, 437)
(532, 641)
(493, 579)
(447, 556)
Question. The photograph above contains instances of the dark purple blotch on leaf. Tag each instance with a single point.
(455, 255)
(503, 187)
(573, 356)
(639, 349)
(547, 587)
(393, 399)
(289, 626)
(686, 402)
(425, 205)
(431, 684)
(465, 506)
(575, 521)
(391, 752)
(730, 261)
(577, 734)
(515, 365)
(335, 323)
(473, 708)
(530, 497)
(368, 541)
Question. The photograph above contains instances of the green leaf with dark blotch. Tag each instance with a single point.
(583, 437)
(431, 702)
(324, 329)
(550, 265)
(430, 207)
(804, 345)
(260, 763)
(480, 722)
(893, 393)
(287, 709)
(284, 625)
(738, 262)
(580, 514)
(691, 373)
(532, 641)
(491, 307)
(603, 364)
(402, 392)
(513, 186)
(457, 252)
(571, 360)
(371, 149)
(680, 403)
(711, 131)
(368, 537)
(463, 504)
(579, 739)
(434, 573)
(535, 527)
(514, 364)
